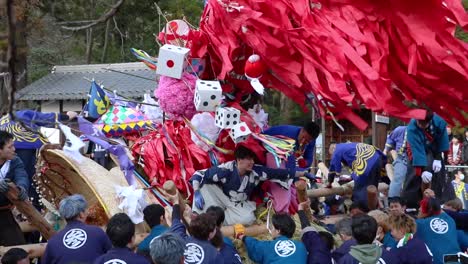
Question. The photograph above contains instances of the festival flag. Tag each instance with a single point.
(95, 135)
(98, 101)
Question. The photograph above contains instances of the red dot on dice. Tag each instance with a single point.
(242, 128)
(170, 63)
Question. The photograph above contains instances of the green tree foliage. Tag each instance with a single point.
(134, 26)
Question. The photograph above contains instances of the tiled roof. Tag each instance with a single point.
(130, 80)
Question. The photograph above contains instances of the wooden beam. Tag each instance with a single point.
(344, 189)
(27, 209)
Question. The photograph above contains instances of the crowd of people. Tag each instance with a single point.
(423, 221)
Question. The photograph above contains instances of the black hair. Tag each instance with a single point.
(359, 205)
(218, 214)
(201, 227)
(313, 129)
(5, 137)
(242, 152)
(120, 230)
(284, 224)
(327, 239)
(364, 228)
(429, 115)
(458, 137)
(152, 214)
(432, 206)
(397, 199)
(13, 255)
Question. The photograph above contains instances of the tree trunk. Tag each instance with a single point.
(89, 45)
(285, 108)
(106, 42)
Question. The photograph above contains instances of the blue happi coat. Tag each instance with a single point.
(196, 251)
(440, 235)
(280, 250)
(360, 157)
(76, 243)
(121, 256)
(143, 247)
(293, 132)
(434, 139)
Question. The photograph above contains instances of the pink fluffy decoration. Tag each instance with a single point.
(176, 96)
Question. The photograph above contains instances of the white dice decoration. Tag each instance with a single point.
(240, 132)
(172, 61)
(207, 95)
(227, 117)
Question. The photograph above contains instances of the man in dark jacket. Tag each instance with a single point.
(77, 242)
(317, 243)
(364, 229)
(11, 170)
(465, 148)
(343, 229)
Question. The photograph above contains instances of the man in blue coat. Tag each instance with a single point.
(282, 249)
(397, 141)
(305, 143)
(198, 248)
(77, 242)
(223, 244)
(154, 217)
(300, 159)
(121, 232)
(365, 162)
(427, 140)
(437, 230)
(11, 170)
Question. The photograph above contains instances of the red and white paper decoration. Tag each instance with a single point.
(254, 70)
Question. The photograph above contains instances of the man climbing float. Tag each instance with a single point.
(301, 159)
(365, 161)
(230, 184)
(427, 139)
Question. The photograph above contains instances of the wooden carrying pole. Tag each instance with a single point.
(372, 197)
(253, 230)
(27, 209)
(170, 188)
(345, 189)
(301, 187)
(37, 250)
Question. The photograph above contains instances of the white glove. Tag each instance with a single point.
(426, 177)
(436, 165)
